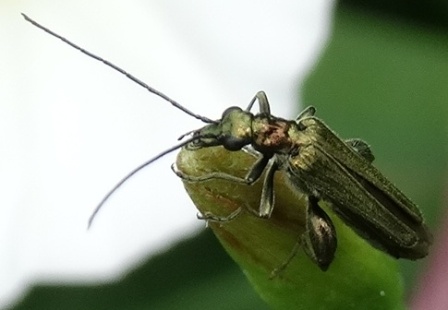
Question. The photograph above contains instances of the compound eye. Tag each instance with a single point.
(230, 110)
(234, 143)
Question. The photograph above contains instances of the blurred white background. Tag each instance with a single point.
(70, 127)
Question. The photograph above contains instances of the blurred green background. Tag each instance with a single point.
(383, 77)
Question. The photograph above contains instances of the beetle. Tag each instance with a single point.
(324, 167)
(317, 163)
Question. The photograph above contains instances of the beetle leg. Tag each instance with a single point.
(262, 102)
(319, 240)
(362, 148)
(210, 217)
(267, 192)
(252, 176)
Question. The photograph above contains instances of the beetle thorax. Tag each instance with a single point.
(271, 134)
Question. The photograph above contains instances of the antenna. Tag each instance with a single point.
(120, 70)
(130, 174)
(142, 84)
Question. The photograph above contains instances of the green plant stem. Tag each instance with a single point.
(360, 276)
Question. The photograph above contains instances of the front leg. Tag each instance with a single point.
(252, 176)
(210, 217)
(262, 102)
